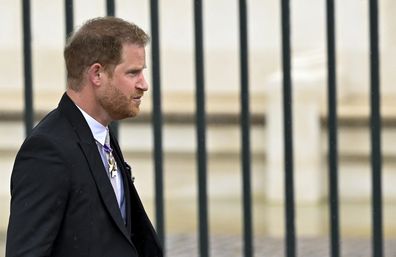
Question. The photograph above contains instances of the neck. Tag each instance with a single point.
(86, 100)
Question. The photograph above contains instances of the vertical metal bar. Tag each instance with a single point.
(110, 7)
(288, 130)
(157, 121)
(110, 11)
(332, 127)
(69, 20)
(69, 17)
(27, 65)
(376, 158)
(201, 131)
(245, 130)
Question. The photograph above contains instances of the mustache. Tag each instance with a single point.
(137, 96)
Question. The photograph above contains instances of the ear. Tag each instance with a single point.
(95, 74)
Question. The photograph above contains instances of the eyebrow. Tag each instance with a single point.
(133, 70)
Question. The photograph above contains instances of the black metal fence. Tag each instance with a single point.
(157, 121)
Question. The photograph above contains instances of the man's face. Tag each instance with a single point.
(123, 91)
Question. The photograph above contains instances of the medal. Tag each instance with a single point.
(112, 166)
(110, 160)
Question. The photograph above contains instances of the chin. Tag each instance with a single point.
(133, 113)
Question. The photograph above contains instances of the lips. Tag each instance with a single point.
(137, 99)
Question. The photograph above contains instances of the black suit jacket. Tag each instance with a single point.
(62, 202)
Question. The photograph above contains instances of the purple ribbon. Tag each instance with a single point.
(107, 148)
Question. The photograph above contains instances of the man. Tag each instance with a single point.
(71, 190)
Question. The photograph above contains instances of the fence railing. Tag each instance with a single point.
(157, 121)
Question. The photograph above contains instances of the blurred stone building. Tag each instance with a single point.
(222, 91)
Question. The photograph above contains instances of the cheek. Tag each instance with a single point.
(127, 84)
(122, 85)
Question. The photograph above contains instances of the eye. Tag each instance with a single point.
(134, 73)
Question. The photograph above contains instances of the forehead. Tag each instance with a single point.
(133, 53)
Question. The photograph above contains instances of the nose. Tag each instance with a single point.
(142, 83)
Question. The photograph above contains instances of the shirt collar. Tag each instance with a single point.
(99, 131)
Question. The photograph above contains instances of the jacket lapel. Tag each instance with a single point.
(90, 150)
(104, 186)
(126, 176)
(145, 238)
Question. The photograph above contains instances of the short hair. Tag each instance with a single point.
(99, 40)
